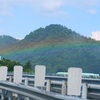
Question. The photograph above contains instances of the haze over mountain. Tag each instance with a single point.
(56, 47)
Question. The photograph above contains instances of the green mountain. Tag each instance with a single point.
(56, 47)
(54, 32)
(6, 41)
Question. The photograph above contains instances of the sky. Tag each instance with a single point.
(20, 17)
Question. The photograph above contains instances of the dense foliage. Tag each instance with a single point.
(11, 63)
(56, 47)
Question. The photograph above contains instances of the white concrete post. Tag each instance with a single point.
(48, 85)
(39, 75)
(74, 81)
(64, 88)
(26, 83)
(3, 73)
(84, 91)
(18, 70)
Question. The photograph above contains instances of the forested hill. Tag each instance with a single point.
(56, 47)
(54, 32)
(6, 41)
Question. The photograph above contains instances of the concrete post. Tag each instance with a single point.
(17, 78)
(84, 91)
(26, 81)
(3, 95)
(19, 97)
(64, 88)
(74, 81)
(48, 85)
(3, 73)
(18, 70)
(26, 98)
(10, 78)
(40, 76)
(10, 95)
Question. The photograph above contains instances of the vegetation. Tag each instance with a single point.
(28, 66)
(55, 33)
(10, 64)
(56, 47)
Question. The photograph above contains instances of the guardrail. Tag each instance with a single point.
(84, 80)
(93, 91)
(40, 81)
(92, 88)
(30, 92)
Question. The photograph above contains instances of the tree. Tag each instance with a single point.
(28, 66)
(9, 63)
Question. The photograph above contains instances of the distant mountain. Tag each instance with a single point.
(56, 47)
(54, 32)
(6, 41)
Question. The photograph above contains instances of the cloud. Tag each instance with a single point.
(57, 14)
(96, 35)
(83, 2)
(92, 11)
(47, 6)
(51, 5)
(44, 6)
(7, 5)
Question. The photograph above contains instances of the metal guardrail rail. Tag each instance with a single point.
(93, 85)
(94, 91)
(84, 80)
(33, 93)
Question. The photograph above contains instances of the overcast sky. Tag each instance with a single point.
(19, 17)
